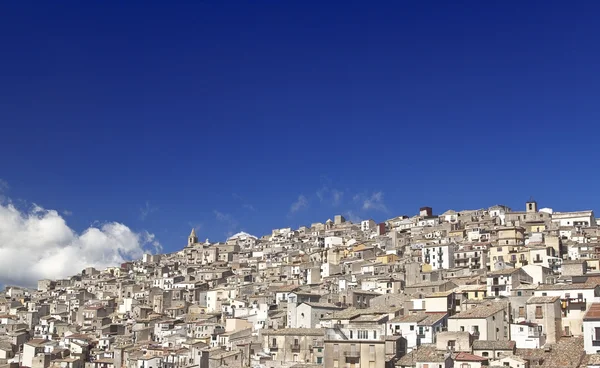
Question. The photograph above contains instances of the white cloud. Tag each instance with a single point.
(375, 202)
(245, 203)
(337, 196)
(229, 220)
(299, 204)
(67, 213)
(147, 210)
(330, 195)
(352, 217)
(38, 244)
(3, 185)
(248, 207)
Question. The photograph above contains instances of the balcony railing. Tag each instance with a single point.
(273, 346)
(573, 299)
(595, 342)
(352, 354)
(295, 346)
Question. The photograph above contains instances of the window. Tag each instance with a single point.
(336, 363)
(520, 329)
(522, 312)
(363, 334)
(538, 312)
(412, 327)
(485, 354)
(336, 348)
(374, 334)
(465, 365)
(462, 328)
(319, 360)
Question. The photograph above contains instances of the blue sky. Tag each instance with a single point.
(254, 115)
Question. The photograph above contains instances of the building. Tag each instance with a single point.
(438, 256)
(487, 321)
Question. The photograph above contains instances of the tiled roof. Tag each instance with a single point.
(296, 332)
(466, 357)
(542, 299)
(574, 286)
(593, 314)
(483, 310)
(493, 345)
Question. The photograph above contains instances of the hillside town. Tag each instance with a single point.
(491, 287)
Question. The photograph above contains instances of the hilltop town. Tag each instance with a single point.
(492, 287)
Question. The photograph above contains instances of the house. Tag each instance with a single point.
(527, 335)
(575, 299)
(511, 361)
(502, 282)
(291, 344)
(591, 329)
(438, 256)
(545, 312)
(486, 321)
(360, 340)
(467, 360)
(493, 348)
(309, 314)
(418, 328)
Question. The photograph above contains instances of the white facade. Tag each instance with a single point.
(439, 256)
(332, 241)
(367, 225)
(527, 336)
(579, 218)
(591, 337)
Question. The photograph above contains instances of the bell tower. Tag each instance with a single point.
(192, 239)
(531, 206)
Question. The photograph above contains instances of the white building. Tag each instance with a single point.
(574, 219)
(439, 256)
(527, 335)
(367, 225)
(591, 330)
(333, 241)
(502, 282)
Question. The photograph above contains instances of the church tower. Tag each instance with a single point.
(192, 239)
(531, 206)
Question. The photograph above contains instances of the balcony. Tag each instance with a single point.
(421, 336)
(273, 347)
(538, 261)
(295, 347)
(573, 300)
(352, 354)
(595, 342)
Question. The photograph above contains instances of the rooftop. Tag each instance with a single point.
(483, 310)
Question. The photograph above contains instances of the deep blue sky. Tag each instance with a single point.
(220, 114)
